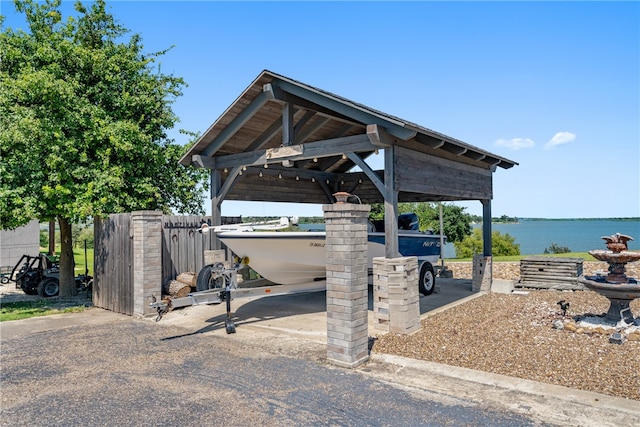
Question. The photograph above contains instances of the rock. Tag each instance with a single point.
(634, 336)
(557, 324)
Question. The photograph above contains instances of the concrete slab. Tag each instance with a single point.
(303, 315)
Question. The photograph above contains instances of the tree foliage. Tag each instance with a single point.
(502, 244)
(456, 222)
(84, 117)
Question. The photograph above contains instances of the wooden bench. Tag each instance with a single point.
(550, 273)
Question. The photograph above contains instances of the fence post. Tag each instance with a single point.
(147, 259)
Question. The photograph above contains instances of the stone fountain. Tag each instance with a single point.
(616, 286)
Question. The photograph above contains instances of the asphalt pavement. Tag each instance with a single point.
(98, 367)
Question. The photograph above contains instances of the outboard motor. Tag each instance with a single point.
(408, 221)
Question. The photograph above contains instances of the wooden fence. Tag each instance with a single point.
(183, 245)
(113, 263)
(183, 249)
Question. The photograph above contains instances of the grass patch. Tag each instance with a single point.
(78, 257)
(26, 309)
(516, 258)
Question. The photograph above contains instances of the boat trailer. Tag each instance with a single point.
(223, 286)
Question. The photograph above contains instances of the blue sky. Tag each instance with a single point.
(554, 86)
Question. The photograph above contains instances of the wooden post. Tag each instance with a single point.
(216, 214)
(390, 205)
(486, 228)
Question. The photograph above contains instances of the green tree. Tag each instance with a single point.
(84, 117)
(86, 235)
(501, 244)
(44, 239)
(456, 222)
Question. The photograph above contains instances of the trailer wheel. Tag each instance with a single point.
(205, 279)
(48, 287)
(4, 280)
(427, 279)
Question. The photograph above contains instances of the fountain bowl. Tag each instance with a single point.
(623, 257)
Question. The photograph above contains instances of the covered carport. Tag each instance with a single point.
(285, 141)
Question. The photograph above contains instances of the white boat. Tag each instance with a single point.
(290, 258)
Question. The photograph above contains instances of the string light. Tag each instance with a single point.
(260, 174)
(376, 151)
(266, 166)
(280, 175)
(226, 170)
(297, 178)
(244, 168)
(344, 157)
(315, 160)
(313, 179)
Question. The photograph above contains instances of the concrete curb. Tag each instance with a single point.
(544, 402)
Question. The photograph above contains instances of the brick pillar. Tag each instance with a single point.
(347, 295)
(481, 276)
(396, 300)
(147, 259)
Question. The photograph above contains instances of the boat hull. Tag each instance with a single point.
(299, 257)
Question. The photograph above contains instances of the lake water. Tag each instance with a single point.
(535, 236)
(578, 235)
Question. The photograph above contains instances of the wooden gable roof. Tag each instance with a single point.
(283, 140)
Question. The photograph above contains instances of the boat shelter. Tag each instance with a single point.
(285, 141)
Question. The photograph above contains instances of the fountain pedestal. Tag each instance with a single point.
(616, 286)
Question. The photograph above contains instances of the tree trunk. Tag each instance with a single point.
(52, 237)
(67, 264)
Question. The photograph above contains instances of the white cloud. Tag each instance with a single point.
(515, 143)
(559, 139)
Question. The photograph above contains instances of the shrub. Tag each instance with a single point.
(557, 249)
(502, 244)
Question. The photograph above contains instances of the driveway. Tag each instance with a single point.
(97, 368)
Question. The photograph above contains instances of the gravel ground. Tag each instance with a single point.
(513, 334)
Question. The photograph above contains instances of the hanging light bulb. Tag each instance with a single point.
(315, 160)
(376, 151)
(344, 157)
(244, 168)
(280, 175)
(226, 170)
(266, 165)
(240, 173)
(297, 178)
(260, 174)
(313, 179)
(327, 182)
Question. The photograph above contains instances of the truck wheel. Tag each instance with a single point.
(48, 287)
(427, 279)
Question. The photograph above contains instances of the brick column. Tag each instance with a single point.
(147, 259)
(481, 276)
(347, 295)
(396, 300)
